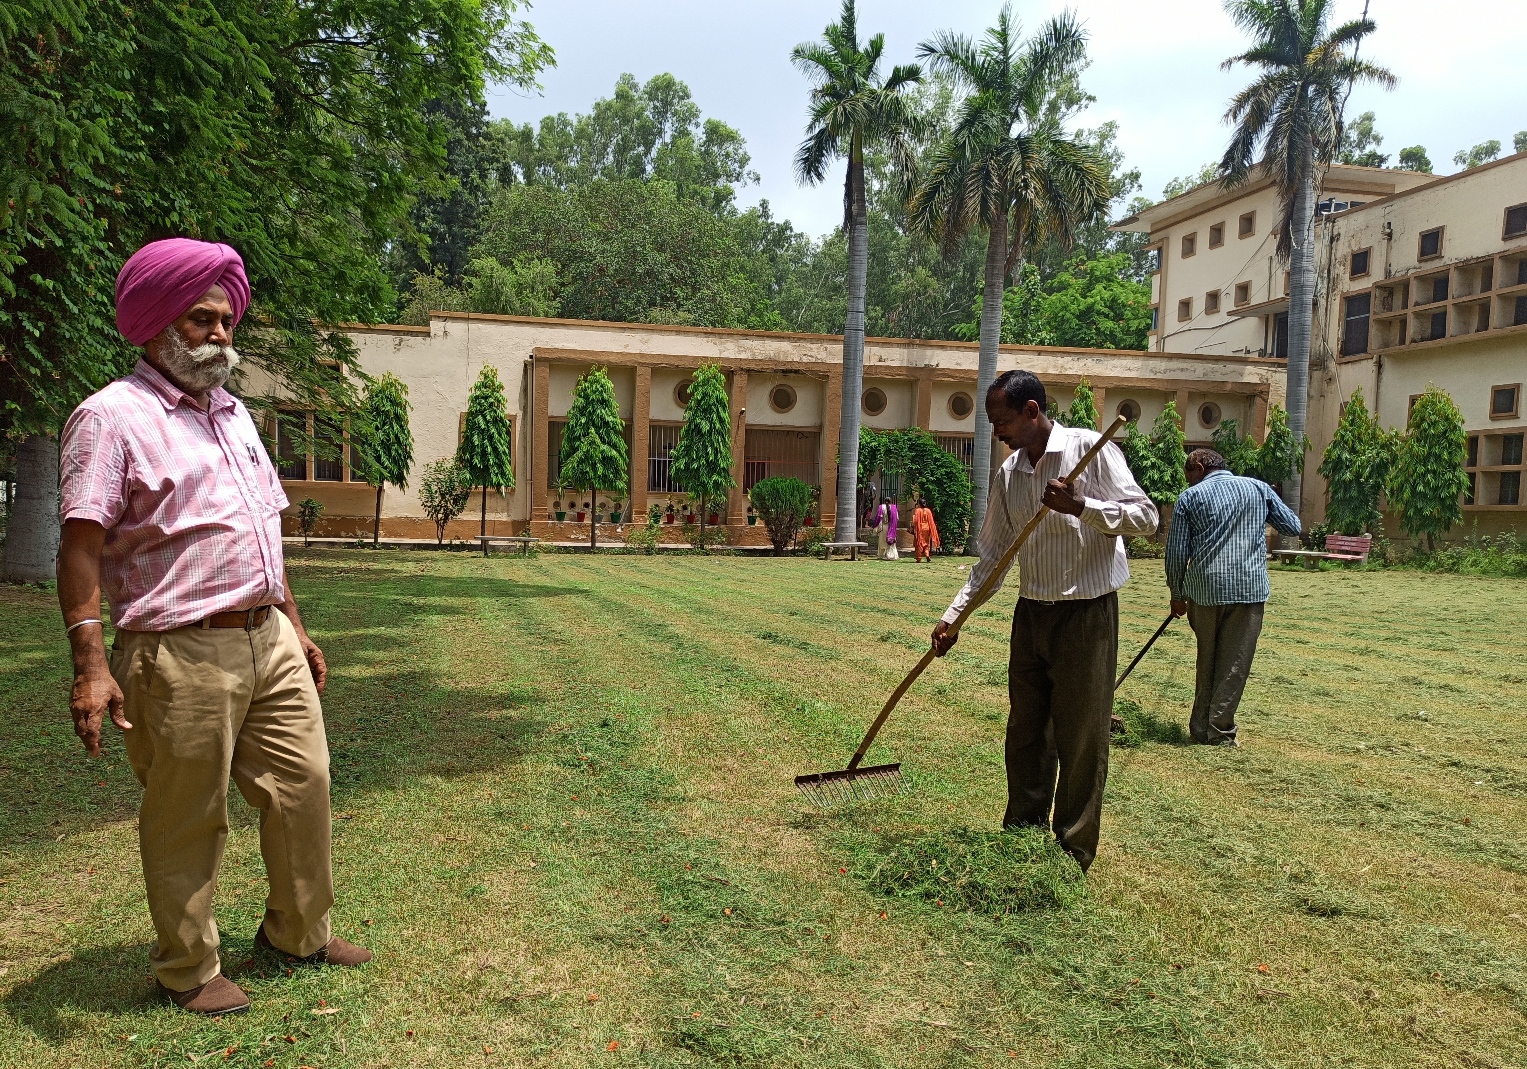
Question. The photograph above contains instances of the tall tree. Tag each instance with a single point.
(1293, 112)
(1428, 480)
(387, 443)
(294, 132)
(594, 455)
(1083, 411)
(1008, 167)
(702, 458)
(486, 451)
(853, 110)
(1356, 466)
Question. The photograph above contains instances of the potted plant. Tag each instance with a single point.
(752, 516)
(671, 513)
(809, 521)
(617, 509)
(583, 512)
(712, 516)
(560, 508)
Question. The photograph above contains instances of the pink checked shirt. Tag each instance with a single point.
(189, 499)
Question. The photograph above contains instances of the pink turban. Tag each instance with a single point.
(161, 281)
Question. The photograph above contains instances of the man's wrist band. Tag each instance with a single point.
(69, 630)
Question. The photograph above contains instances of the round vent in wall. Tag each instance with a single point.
(961, 405)
(1208, 415)
(874, 401)
(782, 398)
(1129, 409)
(682, 393)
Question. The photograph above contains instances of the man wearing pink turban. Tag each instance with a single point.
(170, 504)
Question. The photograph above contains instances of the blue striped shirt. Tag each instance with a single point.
(1216, 551)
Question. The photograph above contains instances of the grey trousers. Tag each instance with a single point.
(1060, 692)
(1227, 641)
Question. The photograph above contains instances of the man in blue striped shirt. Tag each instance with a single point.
(1216, 570)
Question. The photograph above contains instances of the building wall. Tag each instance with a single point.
(539, 361)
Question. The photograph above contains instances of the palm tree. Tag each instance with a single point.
(1293, 110)
(853, 108)
(1009, 167)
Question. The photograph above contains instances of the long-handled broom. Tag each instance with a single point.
(826, 789)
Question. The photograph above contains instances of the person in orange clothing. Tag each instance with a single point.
(924, 531)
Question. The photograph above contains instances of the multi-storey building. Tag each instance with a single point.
(1420, 281)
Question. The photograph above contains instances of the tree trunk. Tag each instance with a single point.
(986, 373)
(31, 539)
(376, 525)
(593, 519)
(1301, 309)
(846, 525)
(484, 511)
(703, 504)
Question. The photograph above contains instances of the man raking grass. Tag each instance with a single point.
(1065, 637)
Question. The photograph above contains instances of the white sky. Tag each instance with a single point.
(1155, 70)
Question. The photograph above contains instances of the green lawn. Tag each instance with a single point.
(565, 822)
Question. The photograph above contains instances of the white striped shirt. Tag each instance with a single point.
(1067, 558)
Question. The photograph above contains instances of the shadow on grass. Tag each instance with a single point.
(1141, 727)
(102, 980)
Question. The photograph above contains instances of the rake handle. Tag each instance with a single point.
(983, 592)
(1143, 651)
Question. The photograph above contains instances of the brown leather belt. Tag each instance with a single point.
(248, 619)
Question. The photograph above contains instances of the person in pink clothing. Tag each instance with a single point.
(170, 504)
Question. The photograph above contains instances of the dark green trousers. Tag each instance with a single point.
(1060, 691)
(1227, 642)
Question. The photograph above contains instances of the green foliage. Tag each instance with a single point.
(702, 457)
(1279, 454)
(1157, 459)
(1090, 304)
(594, 455)
(1415, 158)
(295, 132)
(644, 539)
(386, 442)
(444, 491)
(526, 287)
(1240, 453)
(914, 457)
(308, 513)
(628, 251)
(487, 440)
(995, 873)
(1428, 480)
(1502, 557)
(1360, 142)
(783, 502)
(1176, 187)
(1082, 411)
(1356, 466)
(1483, 152)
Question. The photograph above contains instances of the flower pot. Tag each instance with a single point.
(582, 517)
(752, 521)
(713, 520)
(809, 521)
(668, 517)
(614, 517)
(561, 516)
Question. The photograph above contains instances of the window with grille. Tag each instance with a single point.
(1431, 244)
(1504, 401)
(770, 451)
(1360, 260)
(1439, 325)
(661, 440)
(554, 429)
(1354, 338)
(1280, 336)
(291, 445)
(328, 450)
(960, 446)
(1516, 221)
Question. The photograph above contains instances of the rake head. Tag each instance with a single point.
(825, 790)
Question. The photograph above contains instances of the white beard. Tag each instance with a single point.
(197, 370)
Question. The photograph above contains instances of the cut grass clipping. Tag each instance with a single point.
(990, 873)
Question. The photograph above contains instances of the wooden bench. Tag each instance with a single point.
(1344, 549)
(852, 547)
(494, 540)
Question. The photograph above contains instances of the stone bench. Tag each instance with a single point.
(852, 547)
(500, 540)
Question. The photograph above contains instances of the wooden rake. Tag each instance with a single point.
(854, 784)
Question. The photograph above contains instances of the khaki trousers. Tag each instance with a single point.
(1060, 694)
(204, 705)
(1227, 642)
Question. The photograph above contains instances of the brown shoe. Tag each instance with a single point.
(214, 998)
(337, 952)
